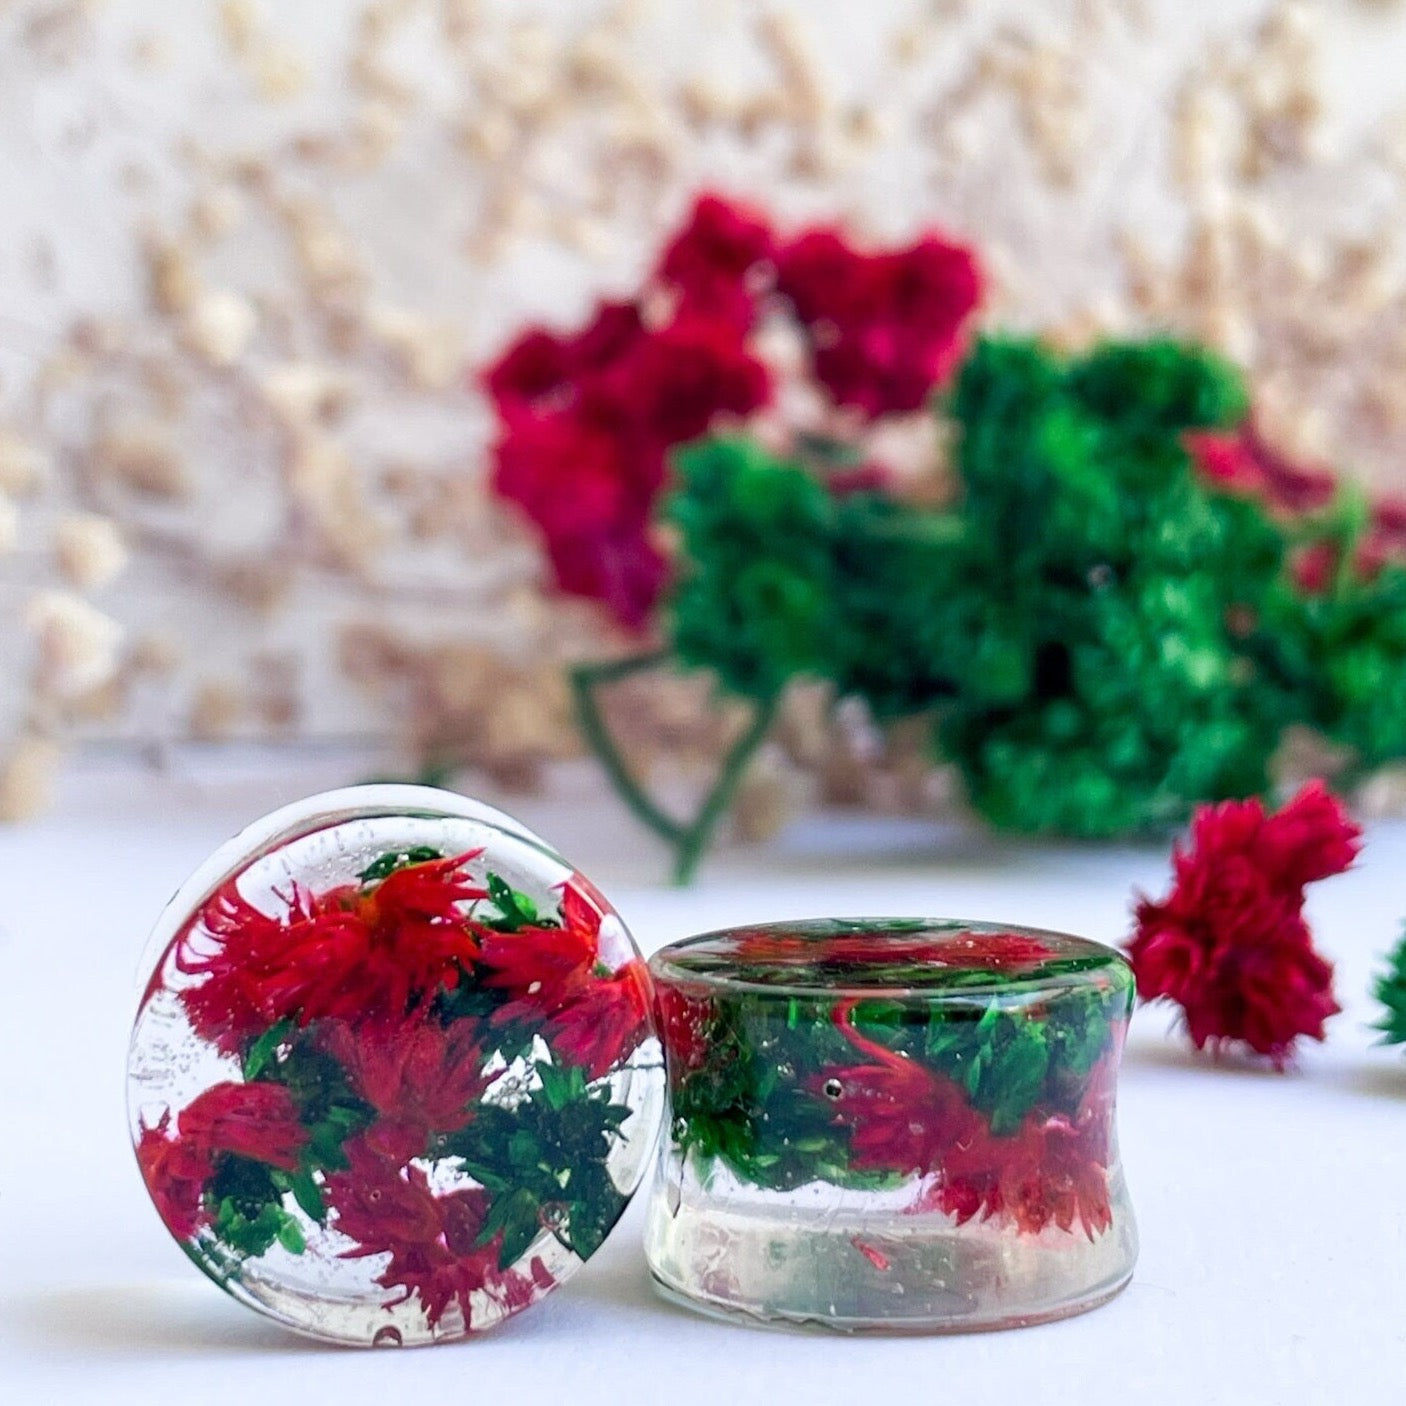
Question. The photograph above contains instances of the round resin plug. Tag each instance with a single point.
(891, 1125)
(393, 1077)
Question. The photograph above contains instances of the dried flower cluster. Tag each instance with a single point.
(589, 420)
(267, 403)
(1230, 944)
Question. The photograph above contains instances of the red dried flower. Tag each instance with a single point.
(907, 1118)
(886, 329)
(903, 1116)
(679, 379)
(541, 964)
(175, 1174)
(604, 1019)
(719, 258)
(533, 375)
(573, 476)
(1240, 461)
(1229, 944)
(1314, 567)
(587, 423)
(994, 951)
(684, 1023)
(1384, 543)
(257, 1121)
(612, 334)
(355, 952)
(868, 477)
(421, 1077)
(1052, 1170)
(623, 570)
(432, 1240)
(542, 371)
(595, 1017)
(826, 279)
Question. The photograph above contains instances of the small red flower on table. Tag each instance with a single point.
(1229, 944)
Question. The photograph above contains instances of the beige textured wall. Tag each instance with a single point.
(247, 255)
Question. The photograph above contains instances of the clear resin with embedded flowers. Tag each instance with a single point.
(893, 1125)
(394, 1076)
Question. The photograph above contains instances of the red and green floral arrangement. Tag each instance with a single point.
(1127, 601)
(377, 1028)
(982, 1063)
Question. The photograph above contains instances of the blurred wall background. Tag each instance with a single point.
(250, 257)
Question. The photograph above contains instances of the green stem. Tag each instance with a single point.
(694, 840)
(687, 840)
(585, 680)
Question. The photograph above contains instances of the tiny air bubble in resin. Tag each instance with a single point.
(393, 1077)
(891, 1125)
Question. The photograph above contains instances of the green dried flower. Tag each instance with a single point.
(1390, 990)
(1103, 602)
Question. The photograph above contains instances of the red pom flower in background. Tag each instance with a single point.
(721, 259)
(1229, 944)
(587, 420)
(1241, 461)
(885, 329)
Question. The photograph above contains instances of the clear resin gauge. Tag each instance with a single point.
(891, 1125)
(394, 1076)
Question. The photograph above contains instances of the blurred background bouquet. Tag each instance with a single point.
(909, 406)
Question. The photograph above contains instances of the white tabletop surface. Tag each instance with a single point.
(1273, 1268)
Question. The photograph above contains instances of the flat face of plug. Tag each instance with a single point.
(917, 955)
(393, 1077)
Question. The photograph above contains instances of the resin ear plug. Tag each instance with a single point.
(902, 1126)
(394, 1076)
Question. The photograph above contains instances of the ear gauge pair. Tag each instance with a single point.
(395, 1076)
